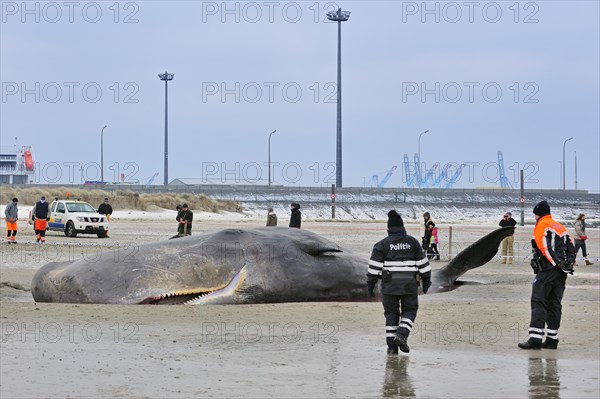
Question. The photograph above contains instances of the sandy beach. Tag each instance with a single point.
(464, 343)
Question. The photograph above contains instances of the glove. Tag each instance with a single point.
(534, 265)
(426, 285)
(566, 267)
(371, 288)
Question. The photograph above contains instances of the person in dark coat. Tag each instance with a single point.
(40, 214)
(400, 262)
(105, 209)
(185, 218)
(508, 241)
(296, 216)
(429, 225)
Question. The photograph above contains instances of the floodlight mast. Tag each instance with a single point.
(166, 77)
(339, 16)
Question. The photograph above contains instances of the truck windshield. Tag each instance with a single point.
(79, 207)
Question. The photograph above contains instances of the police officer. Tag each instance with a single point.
(399, 260)
(553, 258)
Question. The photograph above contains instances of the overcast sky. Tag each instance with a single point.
(519, 77)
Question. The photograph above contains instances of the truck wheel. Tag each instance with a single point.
(102, 235)
(70, 230)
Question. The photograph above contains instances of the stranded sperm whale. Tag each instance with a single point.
(233, 266)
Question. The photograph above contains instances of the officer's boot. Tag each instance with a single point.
(550, 343)
(401, 342)
(392, 350)
(531, 344)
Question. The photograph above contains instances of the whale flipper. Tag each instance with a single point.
(477, 254)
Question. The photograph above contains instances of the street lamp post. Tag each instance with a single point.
(560, 177)
(269, 162)
(564, 185)
(575, 169)
(102, 154)
(166, 77)
(339, 16)
(419, 151)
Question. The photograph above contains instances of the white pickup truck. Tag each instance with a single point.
(73, 217)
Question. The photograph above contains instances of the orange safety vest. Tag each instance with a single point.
(545, 226)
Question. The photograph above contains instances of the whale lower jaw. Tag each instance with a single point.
(200, 296)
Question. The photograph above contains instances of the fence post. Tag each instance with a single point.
(450, 243)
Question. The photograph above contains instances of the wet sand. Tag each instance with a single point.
(463, 345)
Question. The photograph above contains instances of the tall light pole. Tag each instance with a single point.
(560, 176)
(339, 16)
(102, 154)
(269, 162)
(166, 77)
(575, 169)
(420, 163)
(564, 185)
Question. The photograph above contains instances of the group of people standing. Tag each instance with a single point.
(39, 218)
(185, 218)
(295, 217)
(579, 239)
(400, 262)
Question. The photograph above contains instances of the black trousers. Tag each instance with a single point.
(400, 312)
(580, 244)
(184, 229)
(546, 307)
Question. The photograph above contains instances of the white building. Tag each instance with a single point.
(16, 165)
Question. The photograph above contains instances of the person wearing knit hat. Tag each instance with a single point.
(397, 260)
(553, 258)
(394, 219)
(541, 209)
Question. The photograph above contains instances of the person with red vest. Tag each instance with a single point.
(553, 258)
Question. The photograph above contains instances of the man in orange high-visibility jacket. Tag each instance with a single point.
(554, 255)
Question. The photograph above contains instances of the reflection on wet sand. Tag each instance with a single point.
(397, 382)
(544, 381)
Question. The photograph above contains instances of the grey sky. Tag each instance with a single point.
(520, 77)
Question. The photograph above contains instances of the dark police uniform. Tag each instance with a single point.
(397, 260)
(554, 253)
